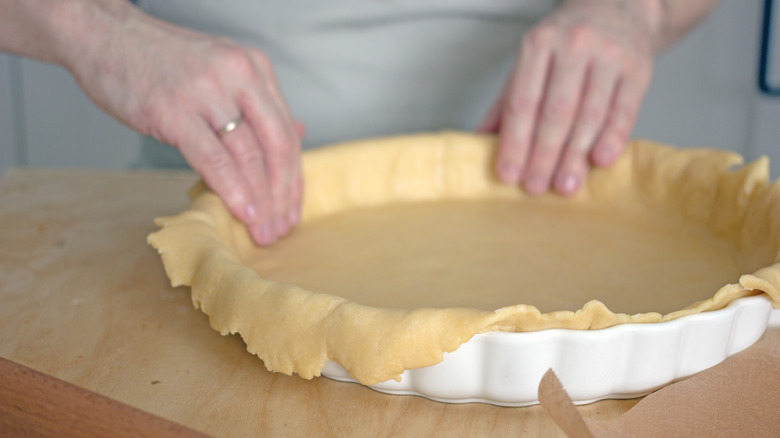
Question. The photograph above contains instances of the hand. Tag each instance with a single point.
(183, 87)
(573, 96)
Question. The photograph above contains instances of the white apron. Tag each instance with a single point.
(363, 68)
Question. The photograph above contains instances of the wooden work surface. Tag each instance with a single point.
(85, 299)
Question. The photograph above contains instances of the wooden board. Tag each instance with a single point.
(34, 404)
(85, 299)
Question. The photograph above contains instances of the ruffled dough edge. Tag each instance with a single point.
(298, 331)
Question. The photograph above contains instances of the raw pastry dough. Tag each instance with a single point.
(409, 244)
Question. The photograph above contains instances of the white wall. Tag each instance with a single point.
(765, 121)
(704, 87)
(10, 143)
(63, 128)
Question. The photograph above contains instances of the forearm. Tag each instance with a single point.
(662, 22)
(676, 18)
(59, 31)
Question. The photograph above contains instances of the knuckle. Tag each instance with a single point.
(219, 162)
(546, 146)
(546, 150)
(513, 151)
(204, 79)
(620, 131)
(619, 127)
(234, 196)
(513, 160)
(610, 51)
(549, 141)
(276, 142)
(252, 158)
(154, 119)
(520, 105)
(143, 119)
(279, 147)
(280, 184)
(623, 114)
(149, 111)
(281, 196)
(276, 183)
(232, 59)
(579, 145)
(579, 37)
(236, 60)
(638, 67)
(592, 113)
(204, 83)
(539, 37)
(558, 108)
(262, 61)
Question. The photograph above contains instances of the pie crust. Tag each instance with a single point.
(711, 219)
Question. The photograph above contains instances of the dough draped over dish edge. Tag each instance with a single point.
(294, 330)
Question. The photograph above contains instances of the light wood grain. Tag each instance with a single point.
(86, 300)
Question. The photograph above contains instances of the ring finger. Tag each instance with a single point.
(250, 161)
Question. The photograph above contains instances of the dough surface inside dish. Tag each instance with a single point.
(409, 247)
(491, 254)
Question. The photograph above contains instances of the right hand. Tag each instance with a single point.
(571, 101)
(182, 87)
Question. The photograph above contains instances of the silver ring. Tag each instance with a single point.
(230, 126)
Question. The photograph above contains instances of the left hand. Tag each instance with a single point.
(574, 94)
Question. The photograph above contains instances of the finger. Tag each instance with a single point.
(519, 113)
(621, 117)
(492, 122)
(598, 92)
(271, 89)
(206, 154)
(300, 129)
(297, 180)
(283, 150)
(561, 102)
(247, 153)
(275, 132)
(297, 196)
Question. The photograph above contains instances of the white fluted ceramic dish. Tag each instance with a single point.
(623, 361)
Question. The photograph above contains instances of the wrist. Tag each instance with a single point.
(654, 13)
(669, 21)
(61, 32)
(82, 30)
(647, 19)
(30, 28)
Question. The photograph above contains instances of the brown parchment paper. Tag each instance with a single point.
(736, 398)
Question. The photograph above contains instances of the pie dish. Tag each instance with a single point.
(619, 362)
(409, 247)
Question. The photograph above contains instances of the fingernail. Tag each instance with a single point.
(569, 185)
(266, 236)
(509, 173)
